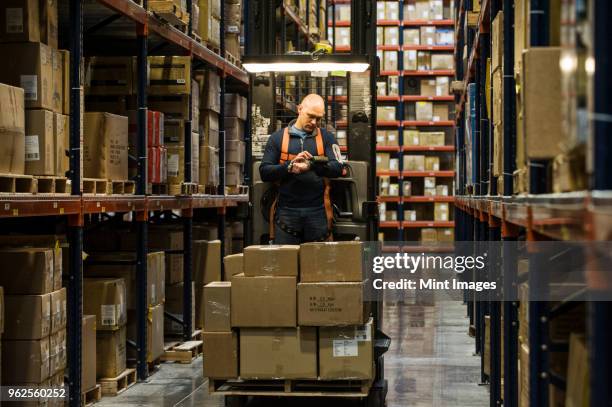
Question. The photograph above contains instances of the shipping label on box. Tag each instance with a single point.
(40, 144)
(325, 304)
(346, 352)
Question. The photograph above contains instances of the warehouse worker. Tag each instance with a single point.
(300, 159)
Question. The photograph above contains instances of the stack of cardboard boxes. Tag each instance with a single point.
(37, 143)
(34, 337)
(157, 154)
(233, 27)
(235, 118)
(210, 22)
(264, 322)
(210, 98)
(123, 265)
(426, 10)
(106, 298)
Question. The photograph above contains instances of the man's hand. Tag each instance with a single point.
(300, 164)
(303, 155)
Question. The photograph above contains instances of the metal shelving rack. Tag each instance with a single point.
(74, 207)
(576, 216)
(400, 123)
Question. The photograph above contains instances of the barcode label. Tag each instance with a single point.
(32, 153)
(14, 20)
(108, 315)
(345, 348)
(29, 83)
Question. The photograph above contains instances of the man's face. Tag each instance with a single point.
(310, 116)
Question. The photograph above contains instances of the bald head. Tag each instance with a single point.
(310, 112)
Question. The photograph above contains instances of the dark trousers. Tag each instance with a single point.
(300, 225)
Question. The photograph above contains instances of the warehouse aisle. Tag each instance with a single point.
(430, 364)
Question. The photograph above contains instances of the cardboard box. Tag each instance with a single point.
(271, 260)
(429, 182)
(446, 235)
(442, 190)
(411, 137)
(20, 21)
(234, 265)
(410, 216)
(542, 118)
(155, 333)
(331, 261)
(234, 151)
(105, 146)
(221, 355)
(106, 299)
(428, 35)
(34, 267)
(429, 235)
(445, 36)
(441, 212)
(234, 129)
(12, 130)
(256, 301)
(88, 352)
(346, 352)
(110, 353)
(174, 268)
(440, 112)
(442, 62)
(391, 10)
(428, 87)
(390, 61)
(48, 14)
(407, 188)
(391, 35)
(578, 372)
(174, 107)
(30, 67)
(207, 261)
(217, 300)
(124, 265)
(209, 128)
(423, 10)
(414, 163)
(176, 162)
(174, 131)
(32, 357)
(328, 304)
(385, 113)
(57, 352)
(424, 111)
(432, 163)
(442, 86)
(169, 75)
(235, 106)
(412, 36)
(59, 313)
(28, 317)
(423, 60)
(61, 137)
(109, 76)
(278, 353)
(497, 60)
(40, 150)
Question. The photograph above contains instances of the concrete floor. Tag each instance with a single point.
(430, 363)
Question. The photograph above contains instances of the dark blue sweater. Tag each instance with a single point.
(299, 190)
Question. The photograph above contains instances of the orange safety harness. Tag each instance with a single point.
(284, 157)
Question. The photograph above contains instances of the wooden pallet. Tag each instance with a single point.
(290, 388)
(91, 396)
(185, 352)
(95, 186)
(196, 37)
(17, 184)
(214, 48)
(121, 187)
(208, 189)
(117, 385)
(167, 10)
(52, 185)
(158, 189)
(184, 188)
(233, 59)
(237, 190)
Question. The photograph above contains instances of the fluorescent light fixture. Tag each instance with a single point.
(305, 63)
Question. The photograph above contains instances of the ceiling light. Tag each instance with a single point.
(305, 63)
